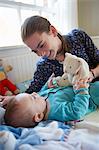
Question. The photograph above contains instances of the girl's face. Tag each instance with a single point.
(45, 44)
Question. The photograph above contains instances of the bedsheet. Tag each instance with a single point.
(26, 138)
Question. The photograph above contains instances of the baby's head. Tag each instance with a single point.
(25, 110)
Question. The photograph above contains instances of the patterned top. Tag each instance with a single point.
(81, 45)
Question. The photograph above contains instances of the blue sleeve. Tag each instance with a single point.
(78, 107)
(91, 49)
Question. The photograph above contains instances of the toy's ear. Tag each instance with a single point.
(38, 117)
(67, 54)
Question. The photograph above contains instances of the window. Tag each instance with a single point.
(14, 12)
(9, 27)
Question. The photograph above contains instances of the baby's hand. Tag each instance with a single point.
(50, 81)
(83, 83)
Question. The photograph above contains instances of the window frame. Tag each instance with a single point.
(23, 6)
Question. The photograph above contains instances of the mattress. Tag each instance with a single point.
(93, 117)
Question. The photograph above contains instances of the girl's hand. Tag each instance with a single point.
(83, 83)
(4, 100)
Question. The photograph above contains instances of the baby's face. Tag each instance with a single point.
(33, 102)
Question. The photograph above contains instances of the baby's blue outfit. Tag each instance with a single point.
(67, 104)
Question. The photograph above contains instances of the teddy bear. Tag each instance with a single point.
(75, 68)
(50, 132)
(6, 86)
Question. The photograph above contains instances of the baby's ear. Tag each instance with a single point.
(38, 117)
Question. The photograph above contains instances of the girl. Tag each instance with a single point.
(43, 39)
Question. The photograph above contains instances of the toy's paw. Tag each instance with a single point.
(8, 93)
(3, 137)
(63, 81)
(17, 91)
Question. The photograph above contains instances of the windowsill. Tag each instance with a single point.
(12, 47)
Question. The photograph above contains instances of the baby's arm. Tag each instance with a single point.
(79, 106)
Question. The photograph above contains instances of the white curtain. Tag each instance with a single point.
(66, 17)
(72, 14)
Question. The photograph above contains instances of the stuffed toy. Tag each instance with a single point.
(75, 68)
(50, 132)
(6, 86)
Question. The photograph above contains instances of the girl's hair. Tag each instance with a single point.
(34, 24)
(38, 24)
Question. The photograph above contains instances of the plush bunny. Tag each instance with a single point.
(50, 132)
(6, 86)
(75, 68)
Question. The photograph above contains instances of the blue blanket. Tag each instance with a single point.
(45, 130)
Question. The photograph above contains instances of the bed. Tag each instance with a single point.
(52, 135)
(47, 135)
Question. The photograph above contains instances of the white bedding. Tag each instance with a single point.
(93, 117)
(85, 136)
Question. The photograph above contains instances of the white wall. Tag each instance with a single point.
(96, 40)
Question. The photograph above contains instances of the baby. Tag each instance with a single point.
(25, 110)
(60, 103)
